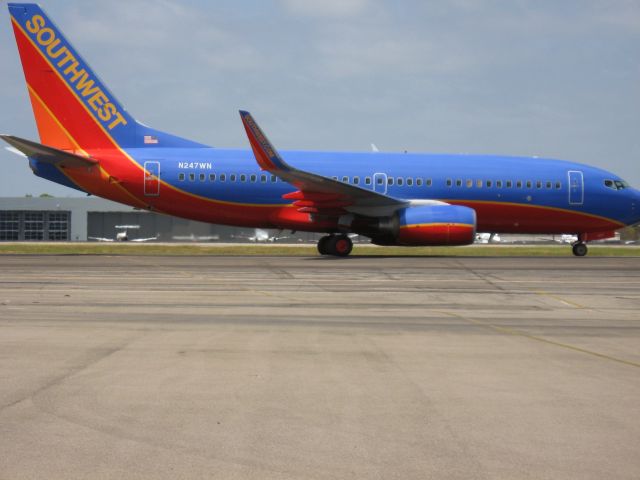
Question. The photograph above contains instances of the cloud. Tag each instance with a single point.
(326, 8)
(556, 78)
(152, 36)
(349, 51)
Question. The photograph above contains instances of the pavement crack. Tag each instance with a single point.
(92, 357)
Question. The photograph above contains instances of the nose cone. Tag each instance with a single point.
(635, 206)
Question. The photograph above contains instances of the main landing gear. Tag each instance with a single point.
(579, 249)
(336, 245)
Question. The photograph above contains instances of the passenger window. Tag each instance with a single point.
(335, 178)
(356, 180)
(345, 179)
(399, 181)
(558, 185)
(479, 183)
(538, 184)
(243, 178)
(390, 180)
(509, 184)
(469, 183)
(488, 183)
(498, 183)
(223, 177)
(380, 180)
(253, 178)
(449, 182)
(519, 184)
(181, 177)
(429, 182)
(409, 182)
(548, 185)
(273, 178)
(529, 183)
(212, 177)
(458, 182)
(232, 177)
(263, 178)
(192, 176)
(367, 180)
(418, 182)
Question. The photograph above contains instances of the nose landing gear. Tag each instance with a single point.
(336, 245)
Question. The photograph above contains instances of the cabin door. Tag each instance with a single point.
(576, 187)
(152, 179)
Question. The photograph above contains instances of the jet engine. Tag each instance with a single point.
(428, 225)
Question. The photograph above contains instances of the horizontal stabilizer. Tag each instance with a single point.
(45, 154)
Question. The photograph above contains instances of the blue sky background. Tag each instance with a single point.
(546, 78)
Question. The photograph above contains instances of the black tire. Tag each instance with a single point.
(339, 245)
(323, 245)
(580, 249)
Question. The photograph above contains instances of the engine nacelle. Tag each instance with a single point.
(431, 225)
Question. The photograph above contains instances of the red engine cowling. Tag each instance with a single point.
(436, 225)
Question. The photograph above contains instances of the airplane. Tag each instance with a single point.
(487, 238)
(260, 235)
(123, 236)
(88, 141)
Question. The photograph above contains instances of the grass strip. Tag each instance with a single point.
(77, 248)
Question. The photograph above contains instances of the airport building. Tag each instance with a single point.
(79, 218)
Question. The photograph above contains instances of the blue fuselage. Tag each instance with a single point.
(233, 176)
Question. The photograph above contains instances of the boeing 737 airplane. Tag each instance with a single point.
(89, 142)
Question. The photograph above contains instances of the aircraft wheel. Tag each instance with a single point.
(580, 249)
(323, 245)
(340, 245)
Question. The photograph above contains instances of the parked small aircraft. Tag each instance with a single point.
(123, 236)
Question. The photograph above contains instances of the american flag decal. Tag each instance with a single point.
(150, 139)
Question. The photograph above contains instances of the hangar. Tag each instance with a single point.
(78, 218)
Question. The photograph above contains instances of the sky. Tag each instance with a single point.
(512, 77)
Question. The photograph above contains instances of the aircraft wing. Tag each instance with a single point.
(101, 239)
(46, 154)
(316, 193)
(143, 239)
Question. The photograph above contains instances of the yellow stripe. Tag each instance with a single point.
(543, 207)
(520, 333)
(441, 224)
(55, 119)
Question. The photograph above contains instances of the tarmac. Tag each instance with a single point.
(267, 367)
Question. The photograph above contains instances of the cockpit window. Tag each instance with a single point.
(616, 184)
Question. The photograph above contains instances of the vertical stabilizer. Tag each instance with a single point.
(73, 108)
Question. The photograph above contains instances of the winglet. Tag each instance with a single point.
(266, 156)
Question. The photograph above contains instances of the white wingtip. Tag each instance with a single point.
(16, 151)
(374, 148)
